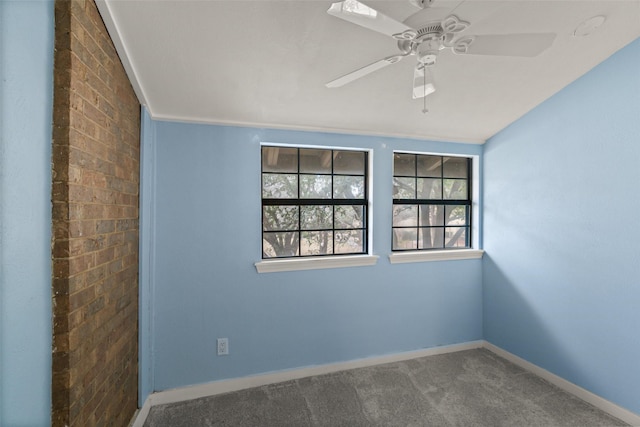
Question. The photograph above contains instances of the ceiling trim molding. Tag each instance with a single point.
(282, 126)
(484, 96)
(114, 32)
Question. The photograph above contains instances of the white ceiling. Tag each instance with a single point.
(264, 63)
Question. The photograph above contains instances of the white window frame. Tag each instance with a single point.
(329, 261)
(449, 255)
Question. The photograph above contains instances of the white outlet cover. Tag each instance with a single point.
(223, 346)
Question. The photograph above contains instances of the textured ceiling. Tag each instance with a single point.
(265, 63)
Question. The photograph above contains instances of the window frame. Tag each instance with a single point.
(446, 254)
(311, 262)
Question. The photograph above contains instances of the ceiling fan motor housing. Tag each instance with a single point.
(428, 59)
(428, 41)
(421, 3)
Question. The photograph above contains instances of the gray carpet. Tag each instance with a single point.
(466, 388)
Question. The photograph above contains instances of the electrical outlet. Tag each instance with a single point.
(223, 346)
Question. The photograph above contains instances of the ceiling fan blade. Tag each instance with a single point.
(422, 84)
(367, 17)
(526, 45)
(361, 72)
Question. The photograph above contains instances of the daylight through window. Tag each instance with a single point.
(314, 202)
(431, 202)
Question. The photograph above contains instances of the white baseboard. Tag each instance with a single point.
(142, 414)
(589, 397)
(226, 386)
(133, 419)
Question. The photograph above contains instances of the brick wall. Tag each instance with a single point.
(96, 147)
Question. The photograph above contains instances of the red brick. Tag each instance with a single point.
(82, 298)
(95, 190)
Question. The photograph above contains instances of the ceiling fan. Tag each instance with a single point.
(424, 36)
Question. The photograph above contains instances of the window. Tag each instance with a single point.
(314, 202)
(431, 202)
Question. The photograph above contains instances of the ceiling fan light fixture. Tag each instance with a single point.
(423, 82)
(421, 91)
(588, 26)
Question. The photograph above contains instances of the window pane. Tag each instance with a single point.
(315, 186)
(279, 186)
(430, 166)
(404, 188)
(455, 167)
(405, 238)
(349, 242)
(316, 217)
(404, 164)
(348, 187)
(456, 237)
(279, 159)
(455, 189)
(306, 201)
(457, 215)
(429, 188)
(276, 218)
(279, 244)
(431, 238)
(437, 180)
(405, 215)
(431, 215)
(348, 162)
(316, 243)
(349, 216)
(315, 161)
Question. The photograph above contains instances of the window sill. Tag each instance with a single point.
(425, 256)
(272, 266)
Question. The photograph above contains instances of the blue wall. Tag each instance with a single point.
(26, 89)
(562, 263)
(146, 257)
(205, 240)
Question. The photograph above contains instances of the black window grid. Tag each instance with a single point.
(300, 202)
(466, 202)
